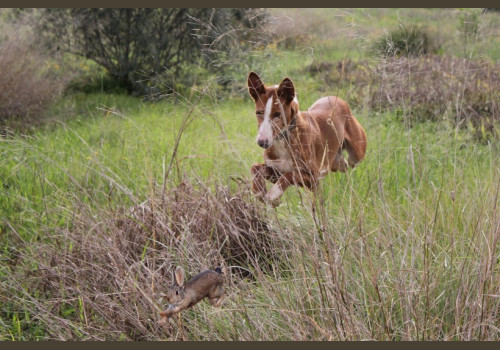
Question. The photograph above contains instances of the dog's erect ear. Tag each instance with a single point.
(255, 86)
(286, 90)
(179, 276)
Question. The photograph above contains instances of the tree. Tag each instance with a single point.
(134, 44)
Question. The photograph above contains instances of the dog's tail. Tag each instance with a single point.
(354, 141)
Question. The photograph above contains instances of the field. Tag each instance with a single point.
(99, 203)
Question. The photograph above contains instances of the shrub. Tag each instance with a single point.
(422, 88)
(350, 75)
(405, 40)
(291, 34)
(134, 45)
(102, 276)
(229, 46)
(432, 87)
(207, 218)
(31, 78)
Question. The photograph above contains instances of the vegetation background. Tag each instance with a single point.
(111, 174)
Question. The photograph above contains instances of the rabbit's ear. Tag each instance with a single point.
(179, 276)
(173, 279)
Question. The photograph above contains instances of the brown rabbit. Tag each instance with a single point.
(207, 284)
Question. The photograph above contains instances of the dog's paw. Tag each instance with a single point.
(261, 196)
(273, 202)
(273, 196)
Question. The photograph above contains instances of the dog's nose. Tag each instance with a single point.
(263, 143)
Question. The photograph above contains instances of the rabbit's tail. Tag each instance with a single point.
(219, 270)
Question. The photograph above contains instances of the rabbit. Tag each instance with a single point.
(207, 284)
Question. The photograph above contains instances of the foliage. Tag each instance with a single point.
(230, 41)
(431, 88)
(134, 45)
(405, 40)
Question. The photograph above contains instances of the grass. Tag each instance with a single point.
(337, 32)
(98, 205)
(413, 229)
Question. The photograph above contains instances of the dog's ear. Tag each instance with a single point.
(179, 276)
(295, 109)
(255, 86)
(286, 90)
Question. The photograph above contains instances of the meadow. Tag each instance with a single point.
(100, 202)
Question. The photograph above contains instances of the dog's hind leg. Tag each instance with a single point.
(354, 141)
(339, 163)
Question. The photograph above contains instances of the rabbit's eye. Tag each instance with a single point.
(176, 292)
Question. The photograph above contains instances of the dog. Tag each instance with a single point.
(300, 147)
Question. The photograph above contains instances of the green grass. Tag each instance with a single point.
(334, 30)
(397, 203)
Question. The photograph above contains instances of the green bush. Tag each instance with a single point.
(134, 45)
(406, 40)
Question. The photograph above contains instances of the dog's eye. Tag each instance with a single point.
(276, 114)
(259, 112)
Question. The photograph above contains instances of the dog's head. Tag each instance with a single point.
(275, 108)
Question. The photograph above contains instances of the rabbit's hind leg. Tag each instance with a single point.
(217, 301)
(217, 297)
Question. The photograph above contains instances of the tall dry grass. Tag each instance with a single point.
(103, 277)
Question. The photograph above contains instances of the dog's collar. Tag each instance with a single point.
(284, 133)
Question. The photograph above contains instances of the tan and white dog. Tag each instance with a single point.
(300, 147)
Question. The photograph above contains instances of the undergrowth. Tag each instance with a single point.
(402, 248)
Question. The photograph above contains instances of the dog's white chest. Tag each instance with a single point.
(283, 162)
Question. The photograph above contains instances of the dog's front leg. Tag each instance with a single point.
(261, 173)
(298, 178)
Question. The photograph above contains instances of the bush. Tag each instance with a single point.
(134, 45)
(110, 269)
(229, 42)
(467, 92)
(350, 75)
(31, 79)
(432, 87)
(405, 40)
(183, 82)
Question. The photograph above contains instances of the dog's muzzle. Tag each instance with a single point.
(264, 143)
